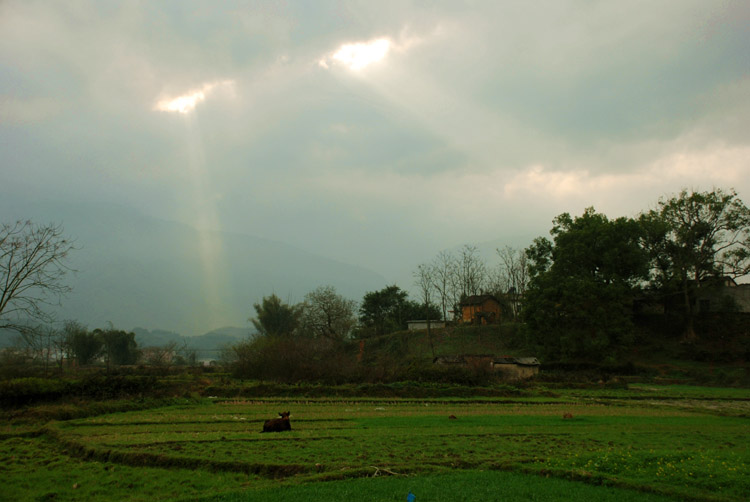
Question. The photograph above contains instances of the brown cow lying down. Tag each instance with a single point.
(278, 424)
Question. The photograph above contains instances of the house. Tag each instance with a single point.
(480, 309)
(722, 295)
(516, 368)
(713, 295)
(422, 324)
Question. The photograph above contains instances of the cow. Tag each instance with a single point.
(278, 424)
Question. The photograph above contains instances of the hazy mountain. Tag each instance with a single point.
(136, 270)
(206, 346)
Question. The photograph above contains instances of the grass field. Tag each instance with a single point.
(642, 443)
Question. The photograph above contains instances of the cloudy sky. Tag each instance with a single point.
(374, 132)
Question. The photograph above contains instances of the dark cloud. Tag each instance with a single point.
(485, 118)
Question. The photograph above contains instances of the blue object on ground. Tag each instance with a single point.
(411, 497)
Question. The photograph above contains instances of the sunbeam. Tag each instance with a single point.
(207, 224)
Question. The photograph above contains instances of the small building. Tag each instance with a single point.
(722, 295)
(475, 361)
(421, 324)
(480, 309)
(516, 368)
(511, 368)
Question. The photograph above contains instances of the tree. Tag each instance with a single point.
(693, 237)
(471, 272)
(582, 284)
(384, 311)
(513, 277)
(444, 269)
(84, 346)
(424, 279)
(32, 269)
(276, 318)
(119, 346)
(39, 343)
(326, 314)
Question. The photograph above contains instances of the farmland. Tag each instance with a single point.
(646, 442)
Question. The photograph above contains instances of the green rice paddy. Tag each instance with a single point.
(684, 444)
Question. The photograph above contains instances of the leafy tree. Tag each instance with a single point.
(84, 346)
(582, 282)
(326, 314)
(693, 237)
(32, 269)
(384, 311)
(387, 310)
(119, 346)
(276, 318)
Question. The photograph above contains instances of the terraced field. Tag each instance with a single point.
(215, 450)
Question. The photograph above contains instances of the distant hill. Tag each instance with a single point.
(136, 270)
(207, 346)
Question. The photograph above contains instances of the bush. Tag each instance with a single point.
(294, 359)
(22, 391)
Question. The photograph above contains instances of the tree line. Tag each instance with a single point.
(587, 279)
(574, 292)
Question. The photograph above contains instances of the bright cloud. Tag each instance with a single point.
(188, 101)
(359, 55)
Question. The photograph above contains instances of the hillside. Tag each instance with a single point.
(719, 356)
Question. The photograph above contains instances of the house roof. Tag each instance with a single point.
(478, 299)
(460, 358)
(521, 361)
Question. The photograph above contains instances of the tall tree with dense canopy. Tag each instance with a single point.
(387, 310)
(119, 347)
(582, 283)
(696, 236)
(84, 345)
(276, 318)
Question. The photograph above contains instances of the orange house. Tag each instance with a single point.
(480, 309)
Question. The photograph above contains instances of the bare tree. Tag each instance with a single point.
(514, 275)
(40, 344)
(32, 269)
(443, 271)
(424, 278)
(472, 271)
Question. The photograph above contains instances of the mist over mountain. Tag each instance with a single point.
(136, 270)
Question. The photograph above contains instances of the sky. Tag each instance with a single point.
(374, 133)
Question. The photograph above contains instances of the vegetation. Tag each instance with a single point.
(387, 310)
(693, 238)
(619, 444)
(579, 300)
(326, 314)
(275, 318)
(367, 400)
(32, 268)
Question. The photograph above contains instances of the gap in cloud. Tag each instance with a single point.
(357, 56)
(362, 54)
(187, 102)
